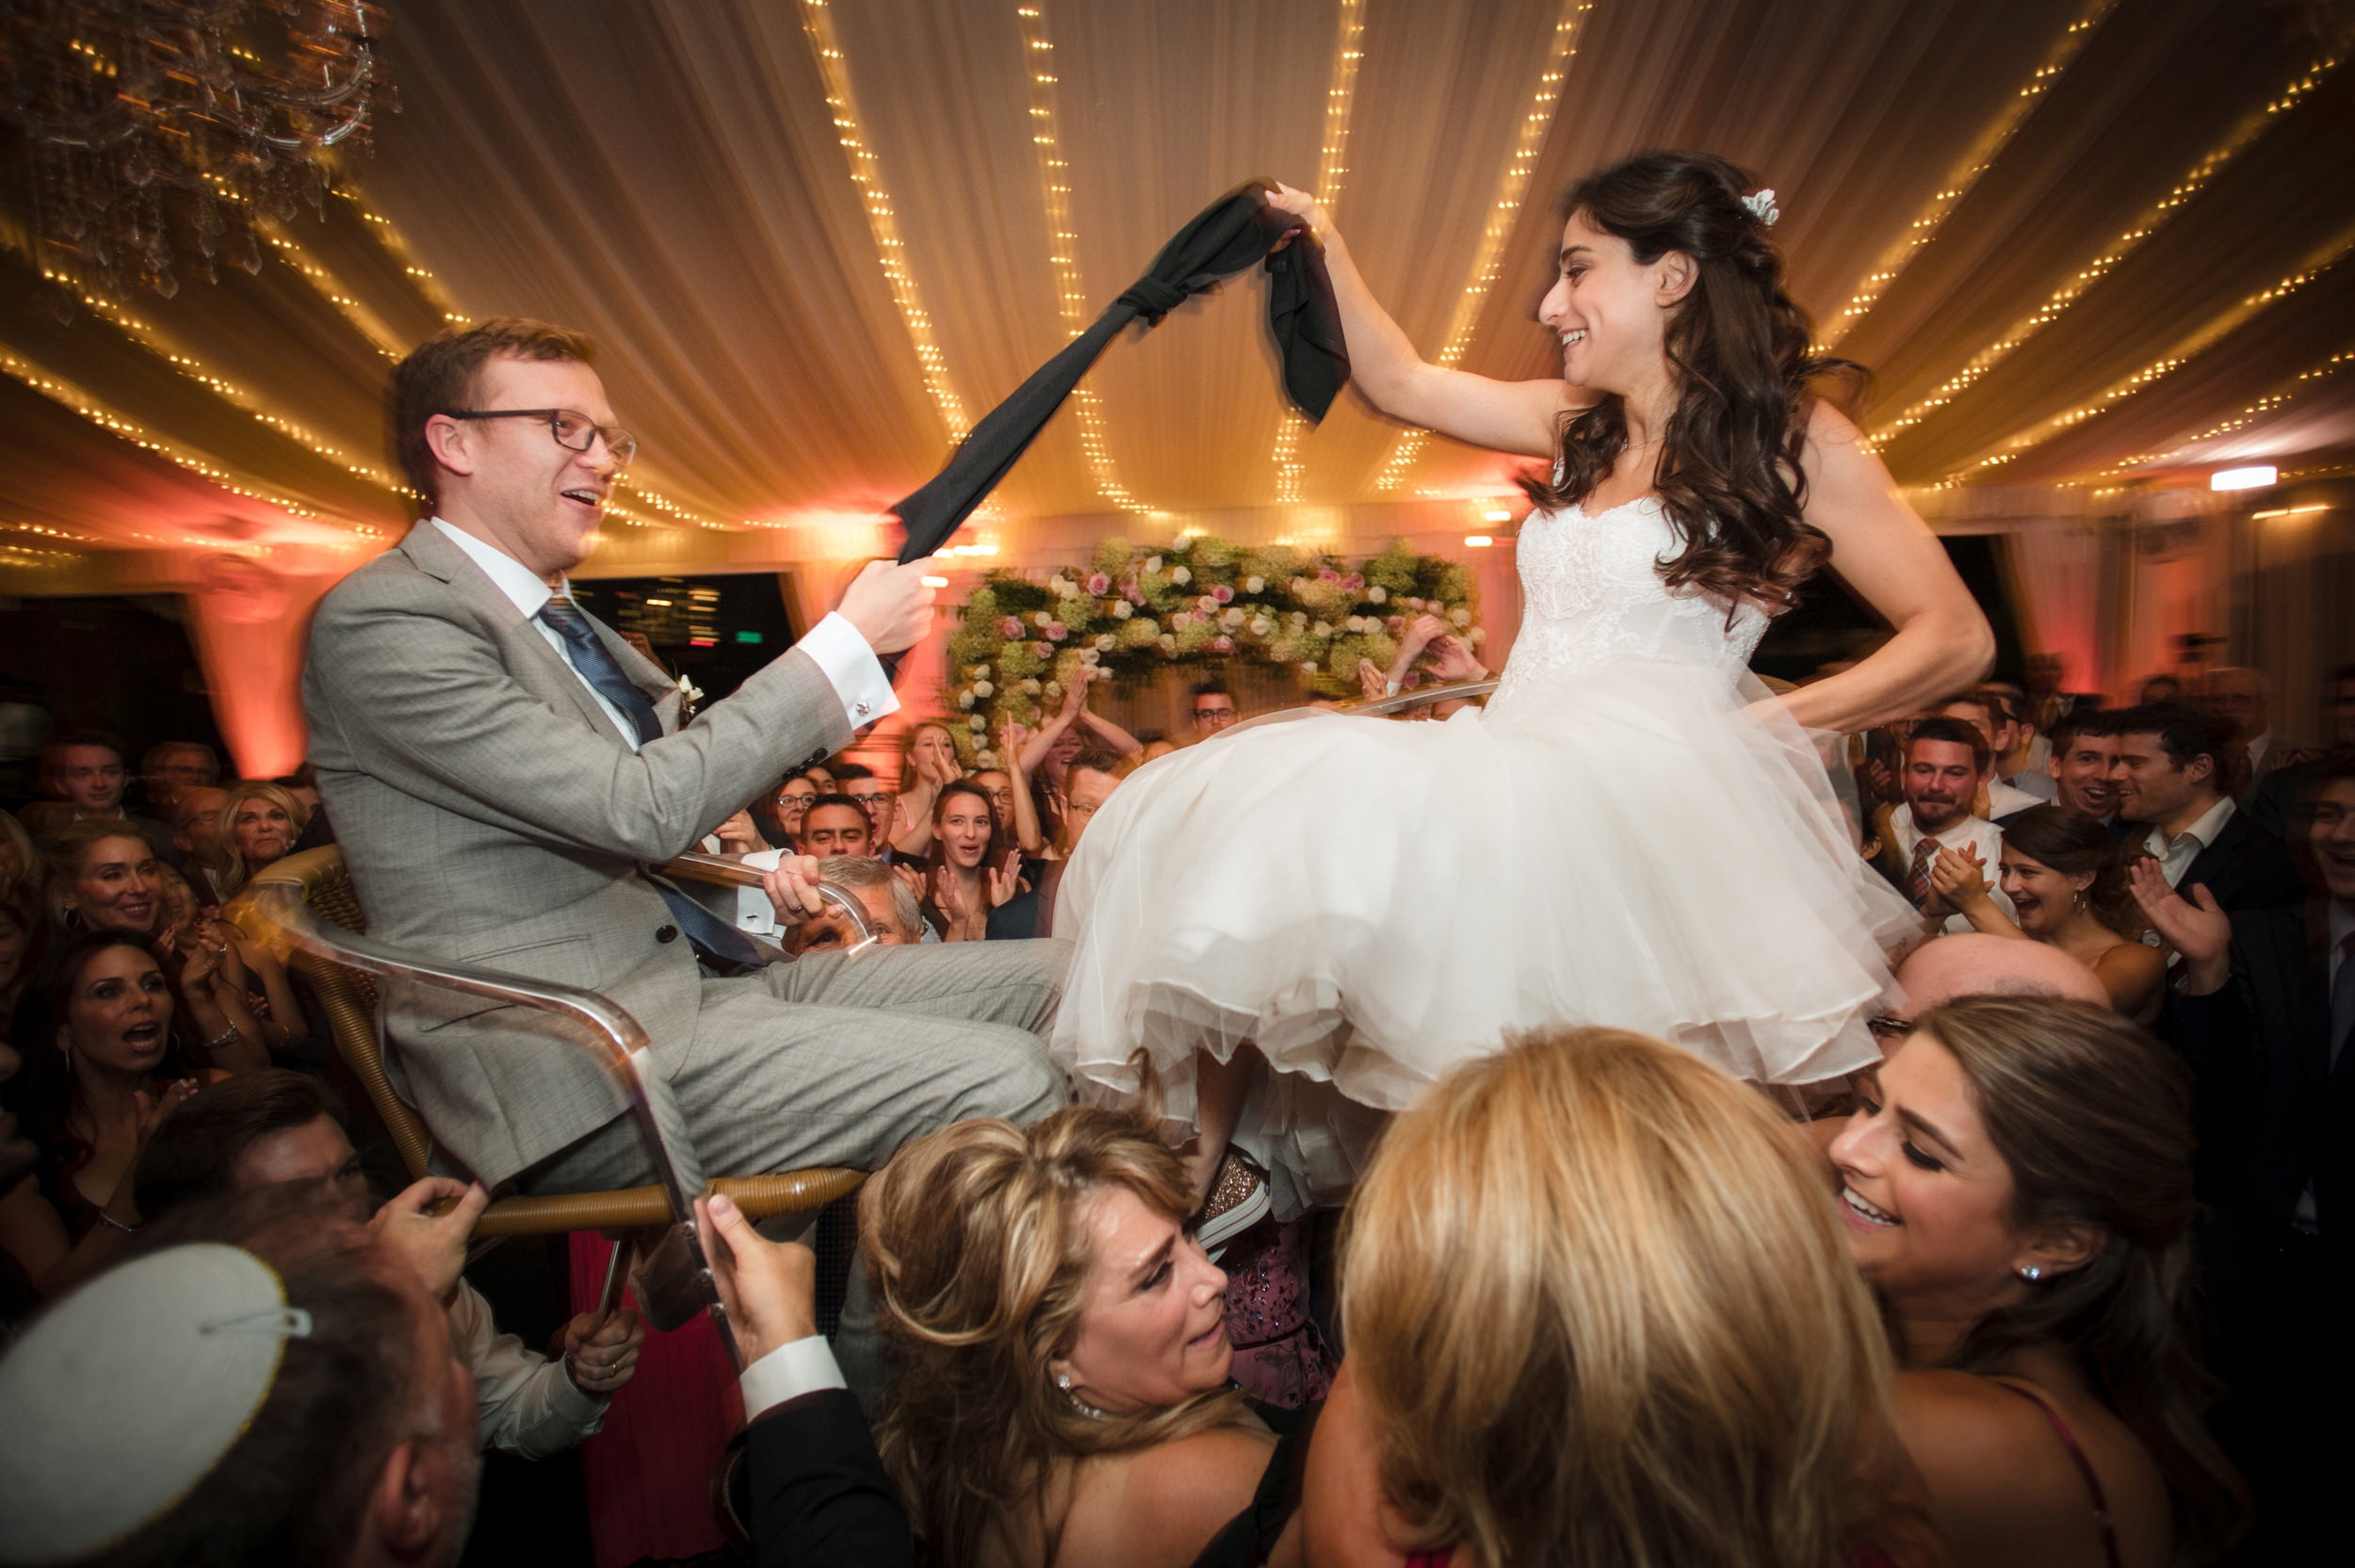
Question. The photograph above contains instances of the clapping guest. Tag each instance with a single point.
(2067, 887)
(1989, 712)
(928, 765)
(103, 878)
(249, 972)
(2177, 770)
(101, 1066)
(1088, 783)
(259, 824)
(971, 871)
(1945, 759)
(1058, 1384)
(875, 799)
(780, 815)
(2017, 1188)
(1572, 1281)
(1011, 796)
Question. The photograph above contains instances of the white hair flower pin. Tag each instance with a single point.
(1761, 205)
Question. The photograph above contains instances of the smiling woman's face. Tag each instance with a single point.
(963, 828)
(1152, 1329)
(116, 888)
(119, 1012)
(1925, 1199)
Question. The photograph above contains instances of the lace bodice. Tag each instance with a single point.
(1591, 593)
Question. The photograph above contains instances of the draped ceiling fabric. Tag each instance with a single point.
(671, 176)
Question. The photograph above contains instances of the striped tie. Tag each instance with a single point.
(1918, 878)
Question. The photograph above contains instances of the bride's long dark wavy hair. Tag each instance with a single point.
(1728, 474)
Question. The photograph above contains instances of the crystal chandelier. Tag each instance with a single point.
(146, 129)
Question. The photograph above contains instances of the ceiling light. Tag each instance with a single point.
(933, 582)
(2255, 476)
(1478, 541)
(1499, 515)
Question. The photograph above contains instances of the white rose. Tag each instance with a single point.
(983, 689)
(1088, 657)
(986, 760)
(1105, 643)
(1300, 585)
(1052, 689)
(1254, 585)
(981, 671)
(1231, 619)
(1262, 626)
(1307, 667)
(1169, 644)
(1379, 594)
(1413, 603)
(1356, 623)
(977, 722)
(1065, 587)
(1321, 629)
(1122, 609)
(1478, 633)
(965, 700)
(1181, 577)
(1460, 617)
(1030, 688)
(1152, 563)
(1042, 620)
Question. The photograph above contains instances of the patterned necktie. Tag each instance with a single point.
(603, 671)
(1918, 878)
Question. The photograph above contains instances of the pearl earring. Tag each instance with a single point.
(2032, 1273)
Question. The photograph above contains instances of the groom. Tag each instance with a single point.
(503, 771)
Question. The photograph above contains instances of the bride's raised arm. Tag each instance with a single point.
(1503, 417)
(1884, 551)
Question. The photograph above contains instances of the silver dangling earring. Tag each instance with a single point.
(1062, 1380)
(2032, 1273)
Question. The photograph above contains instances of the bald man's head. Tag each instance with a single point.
(1976, 964)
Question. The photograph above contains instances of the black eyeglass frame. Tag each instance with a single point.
(618, 442)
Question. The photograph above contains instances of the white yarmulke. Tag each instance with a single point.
(121, 1399)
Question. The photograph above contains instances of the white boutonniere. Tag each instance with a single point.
(689, 693)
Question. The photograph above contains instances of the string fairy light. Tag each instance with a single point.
(380, 228)
(1332, 168)
(1981, 157)
(2252, 126)
(2209, 332)
(67, 395)
(866, 175)
(1038, 64)
(2272, 402)
(1512, 184)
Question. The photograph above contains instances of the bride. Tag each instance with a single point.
(1303, 921)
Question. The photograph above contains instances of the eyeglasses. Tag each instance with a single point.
(1887, 1026)
(575, 432)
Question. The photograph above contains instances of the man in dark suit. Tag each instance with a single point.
(2176, 769)
(2262, 1010)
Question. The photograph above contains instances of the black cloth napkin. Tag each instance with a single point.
(1224, 239)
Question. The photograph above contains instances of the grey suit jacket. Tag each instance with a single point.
(490, 812)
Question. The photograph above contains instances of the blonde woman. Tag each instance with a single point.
(1597, 1312)
(1058, 1369)
(259, 823)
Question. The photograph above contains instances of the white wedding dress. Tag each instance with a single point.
(1633, 833)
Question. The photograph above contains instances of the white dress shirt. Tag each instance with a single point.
(528, 1403)
(2176, 854)
(2003, 799)
(1978, 833)
(787, 1372)
(849, 665)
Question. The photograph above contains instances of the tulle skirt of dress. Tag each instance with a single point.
(1644, 846)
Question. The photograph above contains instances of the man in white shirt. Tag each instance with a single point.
(1945, 759)
(1989, 713)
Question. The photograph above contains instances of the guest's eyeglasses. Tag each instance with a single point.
(1887, 1026)
(575, 432)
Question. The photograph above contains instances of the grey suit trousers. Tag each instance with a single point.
(838, 1059)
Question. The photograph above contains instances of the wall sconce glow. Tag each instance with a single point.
(2256, 476)
(1499, 515)
(1478, 541)
(933, 582)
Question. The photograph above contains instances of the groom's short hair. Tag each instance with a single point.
(439, 376)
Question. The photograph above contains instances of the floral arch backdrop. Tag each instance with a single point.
(1202, 600)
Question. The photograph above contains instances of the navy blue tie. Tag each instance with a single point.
(598, 666)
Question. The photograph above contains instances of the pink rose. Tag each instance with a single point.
(1056, 634)
(1222, 644)
(1206, 605)
(1099, 585)
(1130, 592)
(1010, 629)
(1223, 595)
(1355, 581)
(1326, 575)
(1182, 619)
(1395, 625)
